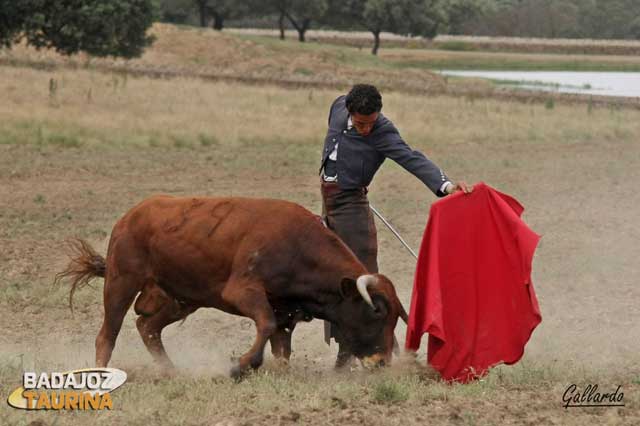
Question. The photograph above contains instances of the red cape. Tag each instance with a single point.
(472, 291)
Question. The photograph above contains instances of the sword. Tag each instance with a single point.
(377, 213)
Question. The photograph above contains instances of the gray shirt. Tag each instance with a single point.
(360, 157)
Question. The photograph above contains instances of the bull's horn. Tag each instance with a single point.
(362, 283)
(403, 314)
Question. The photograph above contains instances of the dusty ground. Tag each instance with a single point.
(73, 161)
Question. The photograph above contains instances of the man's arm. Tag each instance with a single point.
(392, 146)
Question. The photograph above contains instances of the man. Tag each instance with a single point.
(358, 141)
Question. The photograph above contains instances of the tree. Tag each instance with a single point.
(561, 17)
(202, 11)
(634, 28)
(226, 9)
(300, 13)
(99, 28)
(405, 17)
(220, 10)
(281, 6)
(460, 13)
(174, 11)
(12, 18)
(610, 18)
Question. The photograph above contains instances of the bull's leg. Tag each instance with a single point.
(119, 293)
(281, 343)
(150, 325)
(251, 301)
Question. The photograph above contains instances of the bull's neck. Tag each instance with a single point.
(327, 295)
(322, 311)
(324, 261)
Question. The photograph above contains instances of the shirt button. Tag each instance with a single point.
(344, 131)
(334, 139)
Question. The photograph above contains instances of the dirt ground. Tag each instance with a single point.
(72, 169)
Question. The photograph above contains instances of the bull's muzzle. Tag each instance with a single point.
(374, 361)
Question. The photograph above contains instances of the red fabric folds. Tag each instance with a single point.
(472, 291)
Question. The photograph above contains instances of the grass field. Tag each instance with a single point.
(364, 40)
(462, 59)
(75, 155)
(259, 59)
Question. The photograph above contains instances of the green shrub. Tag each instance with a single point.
(390, 392)
(207, 140)
(458, 46)
(67, 141)
(550, 103)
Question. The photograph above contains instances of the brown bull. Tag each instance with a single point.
(272, 261)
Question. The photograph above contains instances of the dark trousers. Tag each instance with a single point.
(347, 213)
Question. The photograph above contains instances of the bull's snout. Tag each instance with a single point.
(374, 361)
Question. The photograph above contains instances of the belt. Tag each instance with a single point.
(331, 188)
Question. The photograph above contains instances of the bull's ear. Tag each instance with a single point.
(348, 288)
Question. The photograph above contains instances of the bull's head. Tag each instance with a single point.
(367, 317)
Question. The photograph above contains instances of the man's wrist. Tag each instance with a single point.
(447, 188)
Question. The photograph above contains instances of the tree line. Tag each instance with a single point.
(118, 27)
(599, 19)
(406, 17)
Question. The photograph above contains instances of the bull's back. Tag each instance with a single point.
(205, 237)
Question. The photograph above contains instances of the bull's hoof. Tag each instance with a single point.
(282, 362)
(237, 373)
(344, 361)
(168, 372)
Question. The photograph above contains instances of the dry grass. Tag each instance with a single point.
(193, 52)
(96, 108)
(248, 59)
(72, 164)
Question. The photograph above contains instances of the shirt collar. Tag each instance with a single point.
(349, 123)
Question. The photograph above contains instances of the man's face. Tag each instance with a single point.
(364, 123)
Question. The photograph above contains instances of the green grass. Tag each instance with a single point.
(528, 83)
(362, 58)
(456, 46)
(508, 64)
(390, 392)
(303, 71)
(208, 140)
(292, 394)
(47, 134)
(550, 103)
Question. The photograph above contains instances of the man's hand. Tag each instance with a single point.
(460, 186)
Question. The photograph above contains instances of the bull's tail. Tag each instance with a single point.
(85, 264)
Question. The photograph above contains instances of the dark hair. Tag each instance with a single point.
(364, 99)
